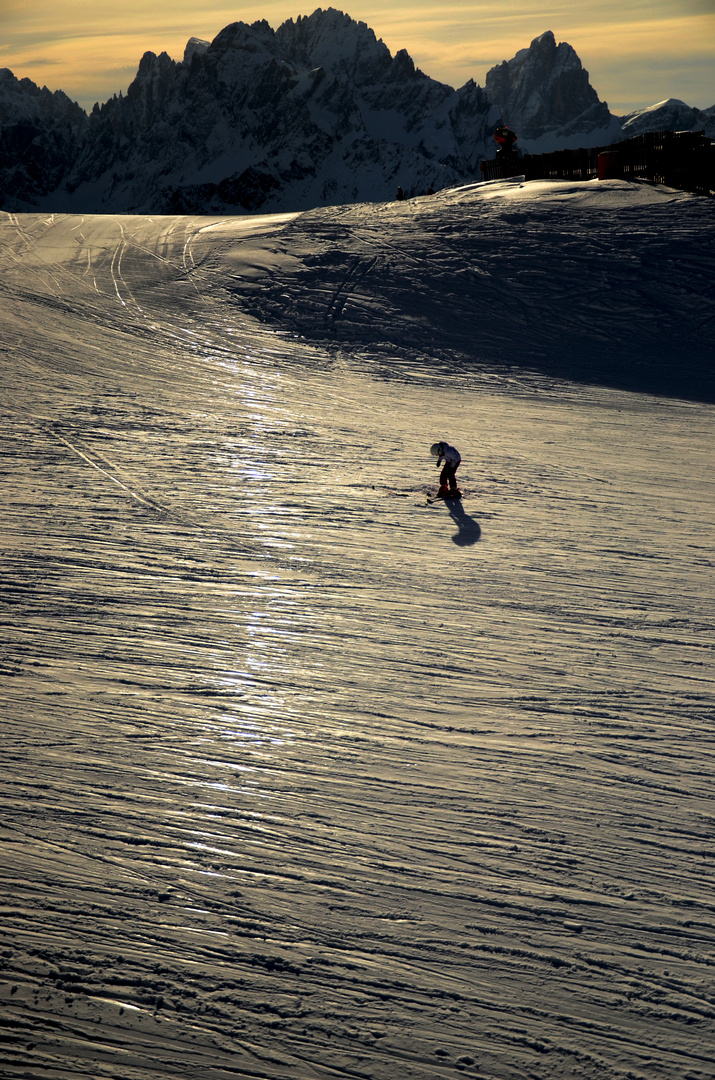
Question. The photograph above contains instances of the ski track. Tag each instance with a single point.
(619, 294)
(304, 778)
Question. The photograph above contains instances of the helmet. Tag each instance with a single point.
(436, 449)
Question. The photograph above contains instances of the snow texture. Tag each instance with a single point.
(303, 778)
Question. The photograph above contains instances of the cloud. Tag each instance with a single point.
(41, 61)
(91, 48)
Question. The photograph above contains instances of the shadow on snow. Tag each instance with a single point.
(469, 530)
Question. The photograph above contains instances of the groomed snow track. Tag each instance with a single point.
(301, 777)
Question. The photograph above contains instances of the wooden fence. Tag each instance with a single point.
(678, 159)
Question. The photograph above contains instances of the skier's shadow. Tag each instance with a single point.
(468, 529)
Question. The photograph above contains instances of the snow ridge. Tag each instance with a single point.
(669, 115)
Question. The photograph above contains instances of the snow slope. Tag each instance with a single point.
(303, 778)
(605, 282)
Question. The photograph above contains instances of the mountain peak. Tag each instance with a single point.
(669, 115)
(544, 41)
(316, 112)
(545, 87)
(195, 46)
(334, 41)
(241, 36)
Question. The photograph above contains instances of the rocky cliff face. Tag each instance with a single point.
(544, 94)
(40, 137)
(317, 112)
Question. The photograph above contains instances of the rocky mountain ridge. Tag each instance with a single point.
(40, 132)
(316, 112)
(669, 115)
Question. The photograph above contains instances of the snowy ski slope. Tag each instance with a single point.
(302, 777)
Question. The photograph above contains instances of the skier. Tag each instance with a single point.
(447, 479)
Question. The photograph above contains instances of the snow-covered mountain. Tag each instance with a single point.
(544, 94)
(669, 115)
(40, 137)
(316, 112)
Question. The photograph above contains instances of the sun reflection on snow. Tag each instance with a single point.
(247, 733)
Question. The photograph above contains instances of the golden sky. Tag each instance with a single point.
(637, 52)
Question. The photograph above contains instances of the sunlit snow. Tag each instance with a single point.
(303, 777)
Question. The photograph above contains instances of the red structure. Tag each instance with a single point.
(505, 138)
(678, 159)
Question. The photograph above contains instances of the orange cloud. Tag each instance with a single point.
(91, 48)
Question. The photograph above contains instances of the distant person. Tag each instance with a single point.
(400, 194)
(505, 138)
(452, 460)
(430, 190)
